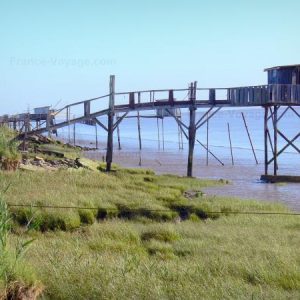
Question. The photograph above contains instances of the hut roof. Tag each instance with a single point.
(282, 67)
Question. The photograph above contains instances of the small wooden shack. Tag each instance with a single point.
(284, 74)
(284, 84)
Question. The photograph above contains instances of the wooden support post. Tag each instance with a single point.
(131, 100)
(275, 139)
(231, 151)
(87, 108)
(74, 134)
(192, 129)
(163, 133)
(139, 123)
(158, 135)
(118, 135)
(26, 128)
(180, 131)
(266, 136)
(207, 138)
(192, 137)
(110, 125)
(179, 141)
(212, 96)
(171, 97)
(96, 134)
(48, 125)
(68, 120)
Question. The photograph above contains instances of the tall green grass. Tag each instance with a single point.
(9, 153)
(121, 250)
(15, 274)
(242, 257)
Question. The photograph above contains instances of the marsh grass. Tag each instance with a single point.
(241, 257)
(125, 194)
(16, 277)
(180, 250)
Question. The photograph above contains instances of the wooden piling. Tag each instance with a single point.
(192, 137)
(179, 142)
(74, 134)
(110, 125)
(180, 137)
(96, 135)
(163, 133)
(275, 139)
(139, 123)
(192, 129)
(48, 125)
(230, 142)
(68, 120)
(118, 135)
(158, 135)
(266, 136)
(207, 138)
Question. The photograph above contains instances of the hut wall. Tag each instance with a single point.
(284, 76)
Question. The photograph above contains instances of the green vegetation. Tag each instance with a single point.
(16, 278)
(241, 257)
(150, 237)
(133, 234)
(125, 194)
(9, 154)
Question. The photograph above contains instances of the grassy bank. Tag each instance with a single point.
(150, 237)
(124, 194)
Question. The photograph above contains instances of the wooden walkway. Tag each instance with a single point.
(270, 97)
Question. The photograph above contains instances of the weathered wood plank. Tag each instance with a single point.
(281, 178)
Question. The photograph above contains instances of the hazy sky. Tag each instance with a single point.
(66, 50)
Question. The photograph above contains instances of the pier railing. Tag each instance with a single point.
(236, 96)
(284, 94)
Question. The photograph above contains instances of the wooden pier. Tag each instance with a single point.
(282, 90)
